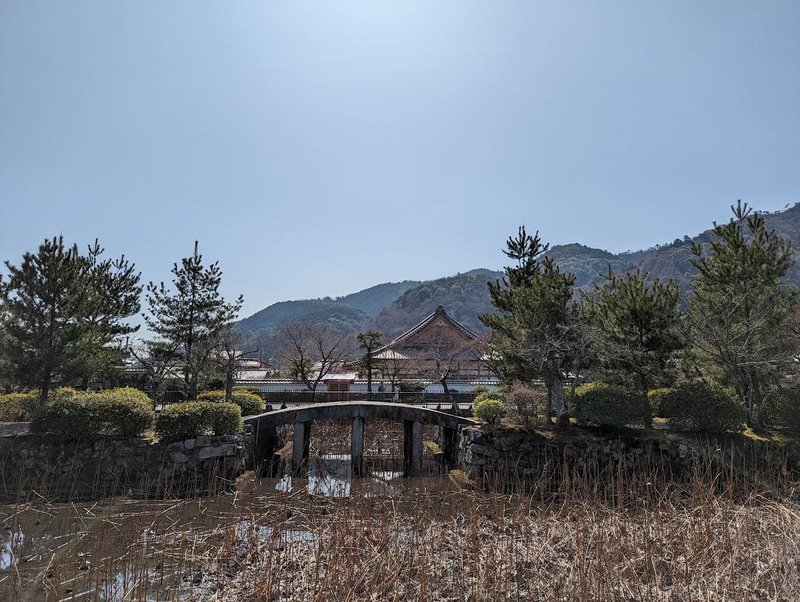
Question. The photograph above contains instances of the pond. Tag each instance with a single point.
(118, 549)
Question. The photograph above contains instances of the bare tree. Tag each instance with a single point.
(228, 357)
(160, 363)
(310, 352)
(442, 354)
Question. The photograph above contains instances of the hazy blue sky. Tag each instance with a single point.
(319, 148)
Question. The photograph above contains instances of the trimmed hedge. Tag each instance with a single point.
(655, 397)
(610, 405)
(18, 407)
(488, 409)
(782, 409)
(124, 412)
(192, 418)
(250, 403)
(702, 407)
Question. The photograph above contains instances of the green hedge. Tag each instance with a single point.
(655, 397)
(18, 407)
(192, 418)
(124, 412)
(610, 405)
(488, 409)
(702, 407)
(249, 403)
(782, 409)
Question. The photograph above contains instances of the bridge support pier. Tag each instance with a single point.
(265, 443)
(412, 447)
(301, 445)
(357, 446)
(450, 445)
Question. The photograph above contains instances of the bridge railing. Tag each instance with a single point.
(276, 398)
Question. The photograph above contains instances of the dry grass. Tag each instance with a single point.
(598, 533)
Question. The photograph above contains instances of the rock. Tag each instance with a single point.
(190, 443)
(209, 452)
(179, 457)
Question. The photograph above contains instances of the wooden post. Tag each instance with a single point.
(301, 443)
(357, 446)
(412, 447)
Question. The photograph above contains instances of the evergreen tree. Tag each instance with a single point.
(741, 312)
(111, 293)
(636, 329)
(192, 318)
(369, 341)
(536, 333)
(63, 312)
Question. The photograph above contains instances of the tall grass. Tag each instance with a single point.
(600, 530)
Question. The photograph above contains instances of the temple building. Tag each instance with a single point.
(437, 350)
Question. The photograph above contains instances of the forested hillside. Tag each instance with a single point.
(395, 307)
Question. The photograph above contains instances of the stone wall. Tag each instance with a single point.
(499, 454)
(30, 467)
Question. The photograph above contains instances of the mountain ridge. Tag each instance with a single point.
(393, 307)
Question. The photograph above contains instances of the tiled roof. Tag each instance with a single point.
(439, 313)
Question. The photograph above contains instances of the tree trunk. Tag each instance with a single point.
(548, 410)
(754, 401)
(369, 374)
(229, 386)
(557, 393)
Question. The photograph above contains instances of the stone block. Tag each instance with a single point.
(179, 457)
(209, 451)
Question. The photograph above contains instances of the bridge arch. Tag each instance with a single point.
(413, 417)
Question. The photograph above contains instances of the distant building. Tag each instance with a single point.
(437, 350)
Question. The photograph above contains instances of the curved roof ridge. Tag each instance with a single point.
(440, 311)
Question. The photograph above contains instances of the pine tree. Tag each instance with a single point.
(741, 312)
(536, 332)
(636, 328)
(192, 318)
(63, 312)
(111, 293)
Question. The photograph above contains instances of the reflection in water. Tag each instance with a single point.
(331, 476)
(9, 549)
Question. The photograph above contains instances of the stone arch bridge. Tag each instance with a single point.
(413, 418)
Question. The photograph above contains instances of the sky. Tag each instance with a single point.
(318, 148)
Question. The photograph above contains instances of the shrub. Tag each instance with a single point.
(782, 409)
(249, 403)
(115, 413)
(484, 395)
(488, 409)
(529, 402)
(702, 407)
(610, 405)
(192, 418)
(18, 407)
(411, 386)
(655, 397)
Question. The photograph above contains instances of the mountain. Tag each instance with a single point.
(394, 307)
(465, 296)
(372, 300)
(350, 312)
